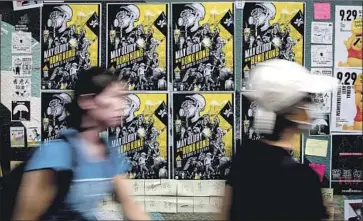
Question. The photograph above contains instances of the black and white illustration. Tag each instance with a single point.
(321, 55)
(203, 58)
(322, 71)
(70, 43)
(20, 111)
(203, 135)
(54, 114)
(137, 45)
(21, 5)
(353, 210)
(22, 65)
(248, 111)
(321, 32)
(143, 135)
(321, 102)
(320, 125)
(21, 88)
(21, 42)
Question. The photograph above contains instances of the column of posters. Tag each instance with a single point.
(347, 167)
(347, 98)
(203, 46)
(272, 30)
(203, 135)
(70, 42)
(137, 44)
(142, 135)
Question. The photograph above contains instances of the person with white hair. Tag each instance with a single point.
(264, 170)
(191, 16)
(126, 18)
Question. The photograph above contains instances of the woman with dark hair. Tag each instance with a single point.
(97, 169)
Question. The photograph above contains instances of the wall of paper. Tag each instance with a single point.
(169, 63)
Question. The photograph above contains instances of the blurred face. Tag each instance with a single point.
(106, 107)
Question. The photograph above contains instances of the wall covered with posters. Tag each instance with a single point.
(186, 64)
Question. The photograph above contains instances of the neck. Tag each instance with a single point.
(92, 133)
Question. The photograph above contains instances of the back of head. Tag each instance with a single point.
(282, 88)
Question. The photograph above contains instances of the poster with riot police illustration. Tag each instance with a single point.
(70, 43)
(143, 135)
(203, 140)
(54, 113)
(271, 30)
(203, 46)
(137, 45)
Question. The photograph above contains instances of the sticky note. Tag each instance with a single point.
(138, 187)
(315, 147)
(152, 204)
(215, 204)
(185, 188)
(327, 193)
(319, 169)
(216, 187)
(185, 205)
(152, 187)
(201, 205)
(167, 204)
(168, 187)
(322, 11)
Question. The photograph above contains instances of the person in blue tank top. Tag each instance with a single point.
(97, 169)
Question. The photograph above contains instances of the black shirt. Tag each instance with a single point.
(266, 188)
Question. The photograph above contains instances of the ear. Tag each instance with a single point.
(86, 101)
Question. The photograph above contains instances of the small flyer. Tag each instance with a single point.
(21, 5)
(17, 137)
(321, 55)
(320, 125)
(22, 65)
(20, 111)
(21, 88)
(321, 32)
(353, 210)
(322, 71)
(33, 136)
(21, 42)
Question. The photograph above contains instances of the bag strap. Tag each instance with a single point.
(68, 139)
(288, 161)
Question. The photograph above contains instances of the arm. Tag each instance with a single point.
(124, 194)
(36, 193)
(227, 202)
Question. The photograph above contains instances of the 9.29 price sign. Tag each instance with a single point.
(347, 101)
(348, 36)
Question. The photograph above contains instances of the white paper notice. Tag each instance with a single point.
(215, 204)
(315, 147)
(185, 205)
(21, 42)
(138, 187)
(200, 187)
(321, 32)
(168, 187)
(152, 204)
(167, 204)
(321, 55)
(201, 205)
(322, 102)
(351, 208)
(152, 187)
(216, 187)
(185, 187)
(21, 88)
(22, 65)
(322, 71)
